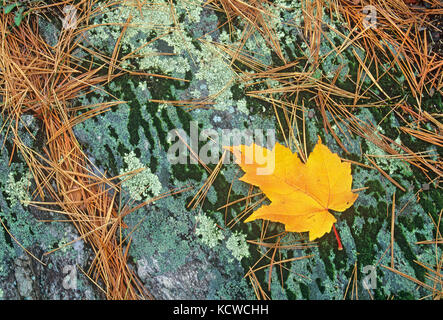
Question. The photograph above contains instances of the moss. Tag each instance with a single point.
(167, 120)
(166, 232)
(318, 281)
(432, 202)
(404, 244)
(221, 185)
(325, 254)
(187, 172)
(237, 92)
(365, 239)
(111, 159)
(134, 123)
(403, 295)
(375, 188)
(304, 291)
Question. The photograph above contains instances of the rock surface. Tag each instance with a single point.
(169, 257)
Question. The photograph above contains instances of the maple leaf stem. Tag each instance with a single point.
(340, 247)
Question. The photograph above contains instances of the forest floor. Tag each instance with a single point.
(114, 177)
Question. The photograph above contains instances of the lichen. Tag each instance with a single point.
(208, 231)
(18, 190)
(238, 246)
(133, 135)
(391, 165)
(142, 185)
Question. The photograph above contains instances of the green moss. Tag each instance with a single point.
(318, 281)
(405, 245)
(304, 291)
(237, 92)
(375, 188)
(432, 202)
(325, 256)
(403, 295)
(111, 163)
(135, 117)
(365, 239)
(187, 172)
(165, 118)
(167, 232)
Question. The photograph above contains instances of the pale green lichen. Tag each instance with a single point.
(213, 77)
(143, 185)
(208, 231)
(242, 106)
(238, 246)
(386, 161)
(17, 191)
(215, 71)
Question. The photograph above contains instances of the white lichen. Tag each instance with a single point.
(17, 191)
(242, 106)
(208, 231)
(238, 246)
(142, 185)
(215, 71)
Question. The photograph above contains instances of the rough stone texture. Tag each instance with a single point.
(178, 284)
(24, 277)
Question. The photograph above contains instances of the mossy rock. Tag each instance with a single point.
(167, 253)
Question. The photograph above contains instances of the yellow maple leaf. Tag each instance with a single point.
(301, 194)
